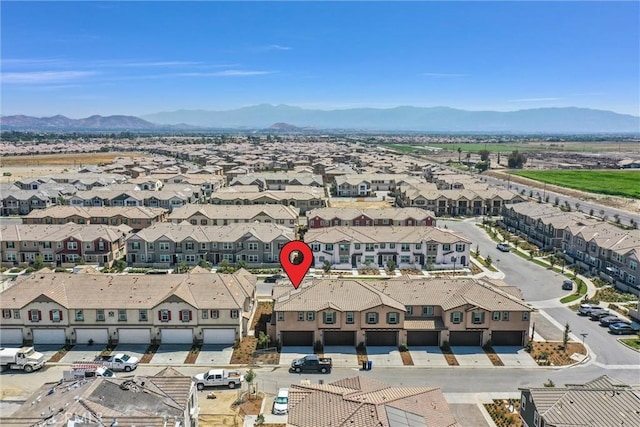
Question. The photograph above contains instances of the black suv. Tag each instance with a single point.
(274, 278)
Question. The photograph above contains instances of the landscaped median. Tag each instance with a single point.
(632, 343)
(580, 292)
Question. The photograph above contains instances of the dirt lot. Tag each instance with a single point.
(218, 411)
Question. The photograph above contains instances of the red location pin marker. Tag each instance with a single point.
(296, 258)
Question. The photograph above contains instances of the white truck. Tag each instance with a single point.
(118, 362)
(218, 377)
(25, 358)
(87, 370)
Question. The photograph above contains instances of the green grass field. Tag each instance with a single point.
(615, 183)
(523, 147)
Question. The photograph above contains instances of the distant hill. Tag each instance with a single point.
(62, 123)
(284, 127)
(436, 119)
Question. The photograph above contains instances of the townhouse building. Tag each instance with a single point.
(286, 216)
(365, 184)
(55, 308)
(277, 180)
(376, 246)
(301, 197)
(164, 245)
(354, 217)
(136, 217)
(166, 199)
(16, 202)
(207, 182)
(63, 244)
(415, 312)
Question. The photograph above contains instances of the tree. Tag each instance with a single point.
(223, 265)
(565, 335)
(263, 340)
(391, 265)
(488, 260)
(468, 157)
(249, 377)
(326, 266)
(459, 154)
(482, 166)
(516, 160)
(242, 264)
(38, 262)
(204, 264)
(484, 155)
(552, 261)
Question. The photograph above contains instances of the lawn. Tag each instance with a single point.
(632, 342)
(615, 183)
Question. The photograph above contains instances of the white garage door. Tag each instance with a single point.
(99, 336)
(134, 336)
(176, 336)
(48, 336)
(10, 336)
(219, 336)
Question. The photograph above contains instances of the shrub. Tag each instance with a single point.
(403, 347)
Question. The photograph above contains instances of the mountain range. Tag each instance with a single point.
(431, 119)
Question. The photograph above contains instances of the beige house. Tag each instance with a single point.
(52, 308)
(136, 217)
(410, 217)
(223, 215)
(415, 312)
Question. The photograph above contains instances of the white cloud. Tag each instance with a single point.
(277, 47)
(444, 75)
(535, 99)
(43, 77)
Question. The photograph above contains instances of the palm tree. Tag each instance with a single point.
(459, 153)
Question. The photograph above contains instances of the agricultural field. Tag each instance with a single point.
(67, 159)
(615, 183)
(525, 147)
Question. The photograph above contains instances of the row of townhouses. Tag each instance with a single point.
(65, 244)
(597, 247)
(136, 217)
(277, 180)
(354, 217)
(302, 197)
(287, 216)
(415, 312)
(54, 308)
(406, 247)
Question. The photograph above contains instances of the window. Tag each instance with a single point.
(356, 246)
(392, 245)
(55, 315)
(215, 314)
(185, 315)
(87, 245)
(409, 309)
(418, 246)
(189, 246)
(11, 245)
(16, 314)
(35, 315)
(404, 247)
(460, 247)
(165, 258)
(122, 315)
(142, 316)
(205, 314)
(372, 318)
(300, 316)
(164, 315)
(315, 247)
(100, 315)
(163, 246)
(150, 246)
(329, 317)
(6, 314)
(253, 246)
(383, 245)
(350, 318)
(456, 317)
(496, 315)
(446, 247)
(281, 316)
(80, 315)
(505, 316)
(633, 265)
(311, 316)
(427, 310)
(369, 247)
(252, 258)
(525, 315)
(405, 259)
(328, 247)
(234, 314)
(72, 245)
(477, 318)
(392, 318)
(227, 245)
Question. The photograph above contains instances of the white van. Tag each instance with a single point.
(281, 403)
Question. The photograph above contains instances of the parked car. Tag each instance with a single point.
(118, 362)
(218, 377)
(567, 285)
(586, 308)
(274, 278)
(312, 363)
(621, 328)
(504, 247)
(608, 320)
(599, 314)
(281, 403)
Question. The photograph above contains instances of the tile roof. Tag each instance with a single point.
(380, 234)
(234, 212)
(396, 214)
(59, 232)
(96, 212)
(264, 232)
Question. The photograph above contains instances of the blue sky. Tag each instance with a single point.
(80, 59)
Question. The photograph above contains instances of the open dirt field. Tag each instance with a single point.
(218, 411)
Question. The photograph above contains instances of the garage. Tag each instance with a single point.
(49, 336)
(98, 336)
(296, 338)
(339, 338)
(465, 338)
(10, 336)
(176, 336)
(386, 338)
(507, 338)
(218, 336)
(423, 338)
(134, 336)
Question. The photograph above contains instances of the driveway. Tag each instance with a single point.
(215, 354)
(135, 350)
(384, 356)
(48, 350)
(514, 356)
(427, 356)
(269, 418)
(287, 354)
(83, 353)
(471, 356)
(342, 356)
(171, 354)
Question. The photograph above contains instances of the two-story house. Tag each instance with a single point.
(136, 217)
(354, 217)
(287, 216)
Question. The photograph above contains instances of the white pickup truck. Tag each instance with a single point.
(218, 377)
(118, 362)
